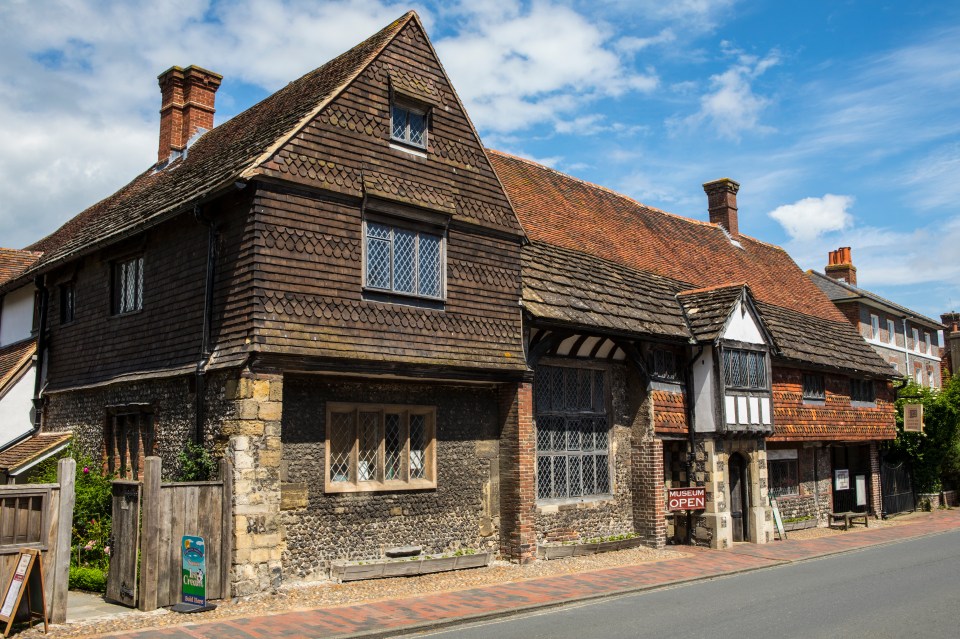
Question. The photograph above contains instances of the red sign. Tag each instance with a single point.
(686, 498)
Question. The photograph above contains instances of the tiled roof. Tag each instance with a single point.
(583, 290)
(841, 292)
(217, 159)
(12, 359)
(805, 338)
(31, 450)
(707, 309)
(564, 211)
(13, 262)
(567, 213)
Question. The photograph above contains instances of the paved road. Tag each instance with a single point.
(906, 589)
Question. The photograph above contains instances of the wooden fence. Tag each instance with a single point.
(170, 511)
(40, 516)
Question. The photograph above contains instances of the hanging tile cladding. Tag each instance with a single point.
(360, 525)
(310, 276)
(347, 147)
(669, 413)
(573, 287)
(836, 419)
(568, 212)
(816, 340)
(166, 334)
(707, 309)
(218, 157)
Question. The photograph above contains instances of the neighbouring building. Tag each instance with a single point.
(908, 340)
(401, 338)
(950, 352)
(720, 364)
(18, 347)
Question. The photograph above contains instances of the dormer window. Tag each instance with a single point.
(408, 122)
(745, 369)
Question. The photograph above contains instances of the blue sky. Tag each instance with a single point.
(839, 119)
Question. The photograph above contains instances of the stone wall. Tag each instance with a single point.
(714, 526)
(815, 497)
(460, 513)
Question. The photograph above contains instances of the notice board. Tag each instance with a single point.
(23, 598)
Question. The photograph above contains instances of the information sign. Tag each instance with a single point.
(913, 418)
(24, 599)
(841, 479)
(686, 498)
(194, 556)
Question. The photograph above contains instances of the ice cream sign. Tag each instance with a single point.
(194, 571)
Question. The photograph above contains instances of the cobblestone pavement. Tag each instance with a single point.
(382, 607)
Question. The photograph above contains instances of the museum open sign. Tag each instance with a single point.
(686, 498)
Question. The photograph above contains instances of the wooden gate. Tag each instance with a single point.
(125, 544)
(169, 511)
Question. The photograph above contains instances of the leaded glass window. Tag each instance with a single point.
(408, 124)
(128, 285)
(664, 365)
(375, 447)
(745, 369)
(862, 390)
(813, 387)
(404, 261)
(572, 432)
(784, 477)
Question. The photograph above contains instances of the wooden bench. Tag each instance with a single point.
(847, 519)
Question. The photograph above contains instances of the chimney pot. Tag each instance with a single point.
(186, 107)
(722, 204)
(840, 266)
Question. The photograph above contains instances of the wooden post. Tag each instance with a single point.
(226, 530)
(66, 477)
(150, 538)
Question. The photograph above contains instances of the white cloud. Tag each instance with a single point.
(811, 217)
(731, 107)
(517, 67)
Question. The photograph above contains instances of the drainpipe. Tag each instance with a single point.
(692, 432)
(205, 350)
(906, 349)
(40, 283)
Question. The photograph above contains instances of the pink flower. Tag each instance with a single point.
(106, 550)
(89, 545)
(86, 470)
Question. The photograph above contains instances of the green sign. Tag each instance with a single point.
(194, 556)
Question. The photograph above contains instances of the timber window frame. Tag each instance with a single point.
(379, 447)
(744, 369)
(68, 302)
(814, 388)
(409, 122)
(128, 439)
(783, 470)
(404, 259)
(573, 432)
(127, 285)
(863, 392)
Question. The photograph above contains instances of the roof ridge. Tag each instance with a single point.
(714, 287)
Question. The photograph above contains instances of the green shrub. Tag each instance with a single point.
(196, 464)
(88, 578)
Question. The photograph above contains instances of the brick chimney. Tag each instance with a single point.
(840, 266)
(951, 342)
(186, 107)
(722, 204)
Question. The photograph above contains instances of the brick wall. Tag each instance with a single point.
(518, 537)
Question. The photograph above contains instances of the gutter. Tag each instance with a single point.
(40, 284)
(213, 236)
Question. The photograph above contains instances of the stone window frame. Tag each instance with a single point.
(783, 464)
(118, 441)
(380, 483)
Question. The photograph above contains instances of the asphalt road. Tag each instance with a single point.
(907, 589)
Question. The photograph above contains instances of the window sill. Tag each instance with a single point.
(379, 487)
(409, 299)
(417, 151)
(809, 401)
(547, 506)
(127, 314)
(858, 404)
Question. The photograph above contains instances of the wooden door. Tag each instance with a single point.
(122, 578)
(738, 497)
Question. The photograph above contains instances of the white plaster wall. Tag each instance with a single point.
(15, 407)
(703, 392)
(16, 320)
(743, 327)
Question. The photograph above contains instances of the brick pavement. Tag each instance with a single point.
(383, 618)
